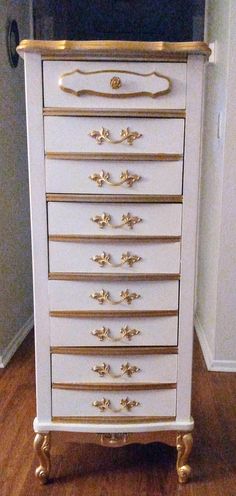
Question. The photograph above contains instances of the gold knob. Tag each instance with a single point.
(105, 405)
(105, 369)
(115, 82)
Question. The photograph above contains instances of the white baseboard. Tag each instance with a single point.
(16, 342)
(212, 364)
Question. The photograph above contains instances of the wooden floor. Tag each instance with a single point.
(130, 471)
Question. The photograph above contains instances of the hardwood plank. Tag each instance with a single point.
(147, 470)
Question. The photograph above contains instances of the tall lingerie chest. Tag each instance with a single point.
(114, 143)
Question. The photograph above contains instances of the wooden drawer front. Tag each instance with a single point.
(86, 295)
(112, 177)
(152, 331)
(73, 134)
(154, 403)
(114, 369)
(106, 257)
(93, 79)
(76, 218)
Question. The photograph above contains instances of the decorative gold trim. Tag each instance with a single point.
(184, 443)
(94, 314)
(125, 333)
(115, 83)
(94, 276)
(100, 238)
(111, 351)
(114, 49)
(112, 387)
(111, 420)
(126, 258)
(113, 440)
(104, 369)
(104, 178)
(104, 220)
(54, 197)
(42, 449)
(160, 157)
(70, 111)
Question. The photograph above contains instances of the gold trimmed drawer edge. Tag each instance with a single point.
(84, 198)
(112, 387)
(111, 420)
(83, 276)
(88, 350)
(112, 313)
(166, 157)
(67, 111)
(76, 238)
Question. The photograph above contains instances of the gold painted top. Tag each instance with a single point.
(123, 49)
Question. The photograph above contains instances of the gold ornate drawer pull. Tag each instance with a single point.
(104, 333)
(105, 405)
(104, 297)
(105, 369)
(115, 82)
(126, 258)
(104, 135)
(105, 220)
(125, 177)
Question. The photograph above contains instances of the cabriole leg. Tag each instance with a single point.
(42, 448)
(184, 443)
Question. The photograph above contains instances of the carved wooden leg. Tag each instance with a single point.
(184, 443)
(42, 448)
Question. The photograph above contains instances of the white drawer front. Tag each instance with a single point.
(73, 134)
(100, 82)
(114, 369)
(111, 177)
(148, 295)
(156, 403)
(152, 331)
(76, 218)
(105, 257)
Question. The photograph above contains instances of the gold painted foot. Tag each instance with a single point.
(184, 443)
(42, 448)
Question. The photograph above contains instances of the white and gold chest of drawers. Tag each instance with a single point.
(114, 151)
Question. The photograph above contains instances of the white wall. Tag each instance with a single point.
(15, 256)
(216, 288)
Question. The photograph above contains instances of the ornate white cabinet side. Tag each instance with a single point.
(68, 128)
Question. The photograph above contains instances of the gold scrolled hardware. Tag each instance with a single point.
(105, 333)
(104, 297)
(104, 135)
(105, 369)
(115, 82)
(126, 258)
(105, 405)
(125, 178)
(114, 439)
(184, 443)
(105, 220)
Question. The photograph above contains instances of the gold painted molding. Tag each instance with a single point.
(96, 276)
(112, 420)
(77, 238)
(157, 157)
(115, 49)
(115, 83)
(111, 351)
(67, 197)
(70, 111)
(81, 314)
(112, 387)
(167, 437)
